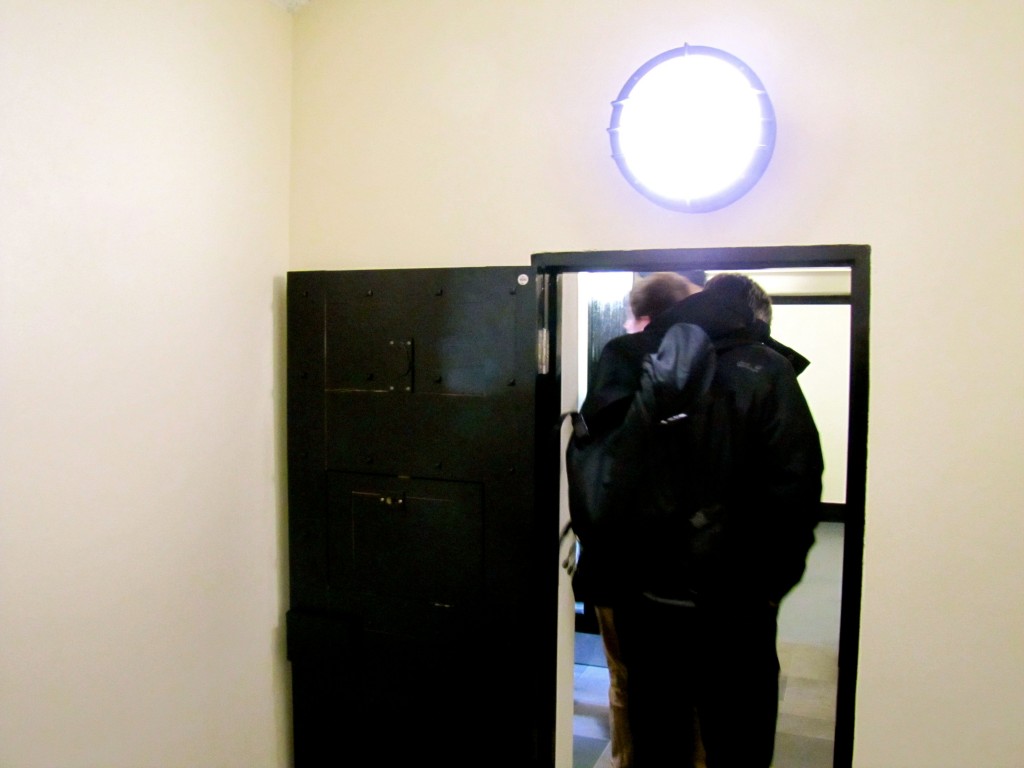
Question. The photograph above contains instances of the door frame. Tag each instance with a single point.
(855, 257)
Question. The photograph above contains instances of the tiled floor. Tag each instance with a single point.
(808, 646)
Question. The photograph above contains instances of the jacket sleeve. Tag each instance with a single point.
(791, 462)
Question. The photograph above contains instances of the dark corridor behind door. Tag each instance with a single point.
(418, 557)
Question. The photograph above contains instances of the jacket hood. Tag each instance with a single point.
(727, 320)
(721, 316)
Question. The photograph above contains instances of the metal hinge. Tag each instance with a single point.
(543, 340)
(542, 351)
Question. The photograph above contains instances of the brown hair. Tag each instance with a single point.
(657, 292)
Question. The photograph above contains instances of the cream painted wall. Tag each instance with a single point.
(144, 160)
(455, 132)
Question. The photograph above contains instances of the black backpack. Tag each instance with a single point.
(619, 503)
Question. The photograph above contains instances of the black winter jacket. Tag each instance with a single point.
(719, 505)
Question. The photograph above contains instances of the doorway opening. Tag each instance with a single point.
(821, 297)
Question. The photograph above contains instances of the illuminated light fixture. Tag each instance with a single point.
(693, 129)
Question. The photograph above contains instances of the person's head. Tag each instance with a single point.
(696, 276)
(742, 288)
(654, 294)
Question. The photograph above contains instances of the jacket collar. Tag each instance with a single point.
(727, 321)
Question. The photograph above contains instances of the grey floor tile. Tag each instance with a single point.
(802, 752)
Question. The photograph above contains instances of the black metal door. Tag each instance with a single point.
(422, 571)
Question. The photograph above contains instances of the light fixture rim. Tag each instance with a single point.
(758, 163)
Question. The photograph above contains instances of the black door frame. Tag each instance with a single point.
(857, 258)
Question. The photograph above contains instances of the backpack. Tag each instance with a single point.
(618, 499)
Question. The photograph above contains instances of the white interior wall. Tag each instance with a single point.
(143, 221)
(144, 151)
(821, 333)
(453, 132)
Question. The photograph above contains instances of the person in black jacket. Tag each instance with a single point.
(724, 516)
(598, 578)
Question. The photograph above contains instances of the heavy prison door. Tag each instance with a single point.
(421, 570)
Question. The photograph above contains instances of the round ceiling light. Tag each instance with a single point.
(693, 129)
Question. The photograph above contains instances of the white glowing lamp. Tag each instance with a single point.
(693, 129)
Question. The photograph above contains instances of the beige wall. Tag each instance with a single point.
(144, 150)
(144, 224)
(456, 132)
